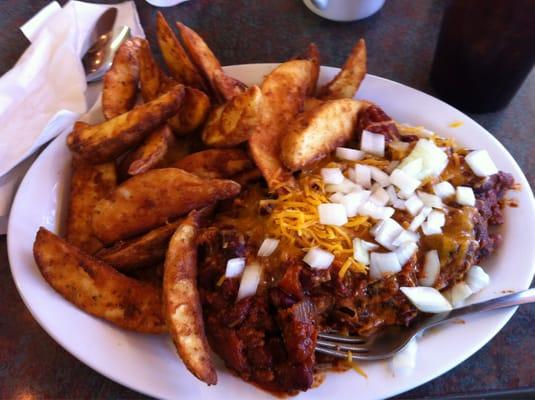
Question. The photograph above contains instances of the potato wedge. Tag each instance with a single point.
(151, 151)
(312, 53)
(178, 62)
(192, 113)
(89, 184)
(140, 252)
(283, 96)
(108, 140)
(233, 122)
(314, 134)
(120, 82)
(150, 74)
(311, 102)
(224, 86)
(215, 163)
(182, 304)
(148, 200)
(346, 83)
(96, 287)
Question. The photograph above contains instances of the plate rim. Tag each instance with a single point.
(504, 315)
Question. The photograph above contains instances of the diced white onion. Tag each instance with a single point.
(345, 187)
(465, 196)
(371, 209)
(426, 299)
(332, 176)
(383, 264)
(353, 201)
(444, 189)
(394, 199)
(345, 153)
(388, 231)
(405, 252)
(420, 218)
(414, 204)
(477, 278)
(430, 200)
(363, 175)
(405, 237)
(332, 214)
(267, 247)
(431, 268)
(374, 229)
(434, 160)
(413, 168)
(318, 258)
(380, 197)
(480, 163)
(336, 198)
(436, 218)
(429, 229)
(249, 280)
(235, 267)
(404, 361)
(406, 183)
(380, 176)
(457, 294)
(361, 250)
(372, 143)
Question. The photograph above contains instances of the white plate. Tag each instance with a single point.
(149, 365)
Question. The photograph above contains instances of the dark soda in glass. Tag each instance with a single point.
(485, 50)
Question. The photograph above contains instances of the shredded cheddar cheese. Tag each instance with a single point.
(353, 364)
(294, 218)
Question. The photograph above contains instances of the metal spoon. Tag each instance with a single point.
(104, 43)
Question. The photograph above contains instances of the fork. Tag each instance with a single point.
(389, 341)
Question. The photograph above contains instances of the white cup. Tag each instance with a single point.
(344, 10)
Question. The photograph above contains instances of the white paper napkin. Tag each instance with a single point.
(46, 92)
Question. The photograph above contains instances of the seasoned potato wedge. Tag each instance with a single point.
(150, 74)
(182, 305)
(106, 141)
(120, 82)
(192, 112)
(224, 86)
(215, 163)
(348, 80)
(89, 184)
(316, 133)
(311, 102)
(283, 96)
(178, 62)
(96, 287)
(151, 151)
(148, 200)
(233, 122)
(312, 54)
(140, 252)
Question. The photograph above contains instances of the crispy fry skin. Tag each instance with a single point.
(175, 57)
(215, 163)
(232, 123)
(192, 113)
(148, 200)
(120, 82)
(182, 305)
(348, 80)
(312, 53)
(311, 102)
(97, 288)
(223, 85)
(140, 252)
(150, 74)
(151, 151)
(314, 134)
(106, 141)
(89, 184)
(284, 93)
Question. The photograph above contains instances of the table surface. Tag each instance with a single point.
(401, 40)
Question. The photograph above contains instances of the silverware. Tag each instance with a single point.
(104, 43)
(387, 342)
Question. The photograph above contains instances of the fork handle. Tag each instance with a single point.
(510, 300)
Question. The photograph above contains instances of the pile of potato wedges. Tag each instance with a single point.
(175, 141)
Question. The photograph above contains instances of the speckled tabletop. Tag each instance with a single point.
(401, 40)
